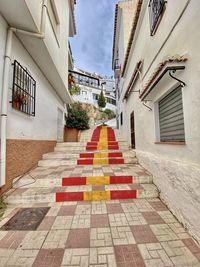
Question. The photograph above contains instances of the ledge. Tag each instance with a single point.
(171, 143)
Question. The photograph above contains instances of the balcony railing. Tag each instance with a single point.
(156, 8)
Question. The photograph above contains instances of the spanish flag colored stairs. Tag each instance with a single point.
(105, 151)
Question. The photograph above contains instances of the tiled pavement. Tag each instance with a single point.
(121, 233)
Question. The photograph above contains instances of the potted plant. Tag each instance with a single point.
(19, 99)
(77, 119)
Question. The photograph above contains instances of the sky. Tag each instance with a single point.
(92, 46)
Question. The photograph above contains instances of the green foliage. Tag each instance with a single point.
(74, 89)
(2, 205)
(110, 114)
(77, 117)
(101, 100)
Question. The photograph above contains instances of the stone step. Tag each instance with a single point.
(101, 161)
(83, 148)
(70, 144)
(77, 193)
(27, 182)
(87, 154)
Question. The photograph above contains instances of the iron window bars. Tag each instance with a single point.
(156, 8)
(23, 90)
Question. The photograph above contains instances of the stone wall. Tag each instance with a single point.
(178, 183)
(23, 155)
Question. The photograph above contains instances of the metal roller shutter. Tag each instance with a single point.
(171, 117)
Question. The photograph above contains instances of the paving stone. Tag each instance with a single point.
(47, 223)
(117, 219)
(23, 257)
(99, 220)
(135, 218)
(83, 209)
(76, 257)
(114, 208)
(33, 240)
(122, 235)
(152, 217)
(78, 238)
(99, 208)
(62, 222)
(49, 258)
(12, 239)
(163, 232)
(128, 255)
(193, 247)
(143, 234)
(100, 237)
(158, 206)
(81, 221)
(56, 239)
(67, 210)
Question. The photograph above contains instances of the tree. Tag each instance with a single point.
(101, 100)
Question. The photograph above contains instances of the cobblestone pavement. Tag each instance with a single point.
(122, 233)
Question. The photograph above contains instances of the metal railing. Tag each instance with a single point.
(156, 8)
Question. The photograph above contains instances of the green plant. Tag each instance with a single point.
(74, 89)
(101, 101)
(77, 117)
(110, 114)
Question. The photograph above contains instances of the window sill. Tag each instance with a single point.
(171, 143)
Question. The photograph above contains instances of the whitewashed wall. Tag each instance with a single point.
(176, 168)
(21, 126)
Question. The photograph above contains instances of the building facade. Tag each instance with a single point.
(91, 86)
(158, 99)
(34, 56)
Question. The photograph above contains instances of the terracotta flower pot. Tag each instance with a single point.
(71, 135)
(16, 104)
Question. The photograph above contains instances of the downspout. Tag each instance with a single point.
(4, 104)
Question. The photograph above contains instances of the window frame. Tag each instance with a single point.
(23, 90)
(157, 118)
(155, 19)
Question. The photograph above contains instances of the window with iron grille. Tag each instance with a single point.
(23, 90)
(171, 117)
(156, 8)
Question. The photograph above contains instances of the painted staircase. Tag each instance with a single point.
(103, 150)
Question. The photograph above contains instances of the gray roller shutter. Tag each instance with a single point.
(171, 117)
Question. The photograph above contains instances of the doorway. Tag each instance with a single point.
(60, 125)
(132, 130)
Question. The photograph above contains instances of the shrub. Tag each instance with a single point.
(110, 114)
(77, 117)
(74, 89)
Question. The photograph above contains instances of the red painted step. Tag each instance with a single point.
(74, 181)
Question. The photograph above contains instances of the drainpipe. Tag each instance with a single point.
(4, 106)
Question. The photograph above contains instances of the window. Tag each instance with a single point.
(95, 96)
(121, 118)
(156, 8)
(23, 91)
(171, 118)
(53, 17)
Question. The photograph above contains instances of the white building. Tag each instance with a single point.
(34, 90)
(157, 76)
(91, 86)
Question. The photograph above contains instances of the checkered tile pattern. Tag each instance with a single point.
(106, 233)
